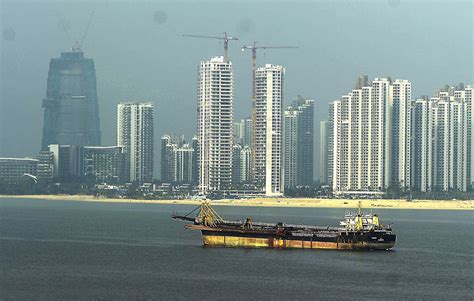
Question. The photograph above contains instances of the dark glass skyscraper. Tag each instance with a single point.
(71, 112)
(299, 143)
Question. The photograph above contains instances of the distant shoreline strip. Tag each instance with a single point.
(275, 202)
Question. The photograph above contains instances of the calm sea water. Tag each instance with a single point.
(53, 250)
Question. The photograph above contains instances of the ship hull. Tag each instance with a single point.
(338, 241)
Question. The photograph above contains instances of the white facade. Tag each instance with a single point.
(470, 140)
(424, 144)
(268, 129)
(184, 164)
(290, 144)
(334, 166)
(363, 125)
(135, 134)
(323, 152)
(442, 141)
(401, 131)
(464, 93)
(214, 130)
(245, 164)
(381, 134)
(452, 137)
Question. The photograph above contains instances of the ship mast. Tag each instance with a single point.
(208, 216)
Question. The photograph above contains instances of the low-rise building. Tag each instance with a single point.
(45, 168)
(13, 170)
(105, 164)
(68, 161)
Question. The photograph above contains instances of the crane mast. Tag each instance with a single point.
(254, 48)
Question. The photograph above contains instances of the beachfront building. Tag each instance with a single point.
(442, 140)
(323, 152)
(105, 164)
(401, 134)
(299, 143)
(268, 130)
(363, 125)
(214, 130)
(135, 135)
(14, 170)
(177, 159)
(424, 146)
(451, 136)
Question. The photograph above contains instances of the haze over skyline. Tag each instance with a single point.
(140, 55)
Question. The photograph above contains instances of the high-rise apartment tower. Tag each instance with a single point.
(299, 143)
(268, 130)
(214, 128)
(135, 134)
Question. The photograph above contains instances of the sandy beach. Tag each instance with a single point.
(277, 202)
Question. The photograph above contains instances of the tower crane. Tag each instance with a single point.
(254, 48)
(226, 39)
(78, 43)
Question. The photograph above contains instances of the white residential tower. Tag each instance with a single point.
(214, 129)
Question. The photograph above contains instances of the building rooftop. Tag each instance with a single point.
(72, 55)
(103, 147)
(217, 59)
(271, 66)
(130, 103)
(19, 159)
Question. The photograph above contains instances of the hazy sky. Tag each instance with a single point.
(139, 54)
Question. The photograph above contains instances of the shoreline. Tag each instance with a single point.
(276, 202)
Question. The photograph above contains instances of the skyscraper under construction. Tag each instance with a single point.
(71, 113)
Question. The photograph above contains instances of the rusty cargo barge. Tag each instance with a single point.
(356, 232)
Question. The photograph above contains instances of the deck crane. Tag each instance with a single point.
(226, 39)
(254, 48)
